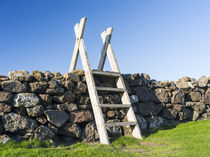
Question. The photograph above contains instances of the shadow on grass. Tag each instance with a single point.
(148, 132)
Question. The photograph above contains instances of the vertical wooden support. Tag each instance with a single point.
(79, 31)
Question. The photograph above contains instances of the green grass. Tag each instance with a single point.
(185, 140)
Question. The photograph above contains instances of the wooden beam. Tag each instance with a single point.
(79, 31)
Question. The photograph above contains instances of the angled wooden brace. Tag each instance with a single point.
(79, 31)
(107, 50)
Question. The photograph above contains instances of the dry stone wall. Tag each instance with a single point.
(54, 106)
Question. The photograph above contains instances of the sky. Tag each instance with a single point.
(167, 39)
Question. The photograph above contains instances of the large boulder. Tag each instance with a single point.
(57, 118)
(149, 109)
(35, 111)
(178, 97)
(20, 75)
(42, 133)
(6, 97)
(14, 86)
(80, 116)
(71, 129)
(161, 95)
(143, 93)
(15, 123)
(25, 100)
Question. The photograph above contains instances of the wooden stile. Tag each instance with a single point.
(107, 50)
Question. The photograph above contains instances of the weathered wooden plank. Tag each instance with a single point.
(106, 37)
(106, 73)
(79, 31)
(120, 124)
(115, 105)
(109, 89)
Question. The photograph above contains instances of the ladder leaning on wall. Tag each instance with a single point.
(93, 90)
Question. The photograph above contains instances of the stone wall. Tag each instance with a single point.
(52, 106)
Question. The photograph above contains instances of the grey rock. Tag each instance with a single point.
(80, 88)
(203, 81)
(115, 130)
(169, 114)
(35, 111)
(38, 87)
(195, 115)
(45, 99)
(56, 91)
(195, 96)
(196, 106)
(206, 97)
(57, 118)
(161, 95)
(20, 75)
(72, 77)
(42, 119)
(80, 116)
(6, 97)
(71, 129)
(156, 122)
(184, 85)
(178, 97)
(141, 121)
(149, 109)
(42, 133)
(14, 86)
(67, 97)
(15, 123)
(4, 139)
(134, 99)
(144, 94)
(186, 114)
(25, 100)
(90, 133)
(5, 108)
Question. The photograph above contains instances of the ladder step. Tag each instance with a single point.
(106, 73)
(120, 124)
(109, 89)
(115, 105)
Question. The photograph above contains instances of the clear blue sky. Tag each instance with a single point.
(166, 39)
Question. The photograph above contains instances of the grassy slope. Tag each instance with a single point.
(189, 139)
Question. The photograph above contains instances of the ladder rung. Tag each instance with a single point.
(120, 124)
(109, 89)
(115, 105)
(106, 73)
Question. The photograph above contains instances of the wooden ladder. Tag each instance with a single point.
(93, 90)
